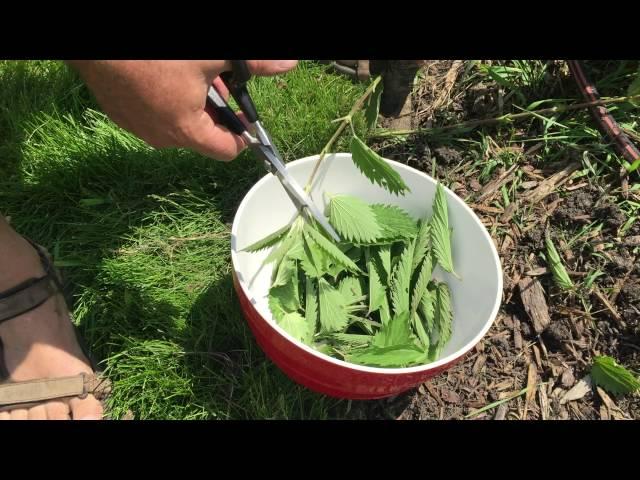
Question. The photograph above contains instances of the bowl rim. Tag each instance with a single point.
(341, 363)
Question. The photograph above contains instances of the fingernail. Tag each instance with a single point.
(286, 64)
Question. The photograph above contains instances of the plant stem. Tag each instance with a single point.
(510, 117)
(346, 120)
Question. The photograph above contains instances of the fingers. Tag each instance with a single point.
(267, 67)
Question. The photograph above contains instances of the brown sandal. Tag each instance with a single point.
(22, 299)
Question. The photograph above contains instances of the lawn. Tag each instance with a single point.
(142, 236)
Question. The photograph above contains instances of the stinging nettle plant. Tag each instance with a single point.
(370, 299)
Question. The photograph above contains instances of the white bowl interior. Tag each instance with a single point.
(476, 298)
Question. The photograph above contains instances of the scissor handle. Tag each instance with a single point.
(224, 112)
(236, 82)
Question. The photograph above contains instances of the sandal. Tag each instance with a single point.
(21, 299)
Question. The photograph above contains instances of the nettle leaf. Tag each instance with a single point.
(314, 260)
(443, 316)
(384, 253)
(613, 377)
(440, 233)
(393, 356)
(325, 244)
(385, 311)
(286, 270)
(401, 281)
(373, 106)
(421, 284)
(375, 168)
(428, 307)
(423, 241)
(352, 339)
(351, 290)
(394, 222)
(560, 275)
(396, 332)
(377, 291)
(333, 311)
(268, 241)
(292, 240)
(311, 304)
(284, 299)
(297, 326)
(353, 219)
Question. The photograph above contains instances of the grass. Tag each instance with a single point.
(142, 235)
(143, 239)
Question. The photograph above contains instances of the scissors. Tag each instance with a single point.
(261, 144)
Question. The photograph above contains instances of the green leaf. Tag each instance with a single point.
(394, 222)
(384, 253)
(443, 317)
(396, 332)
(394, 356)
(326, 245)
(385, 311)
(268, 241)
(377, 291)
(428, 307)
(333, 312)
(376, 169)
(373, 106)
(297, 326)
(311, 304)
(352, 338)
(419, 289)
(422, 243)
(611, 376)
(284, 299)
(560, 275)
(440, 233)
(285, 272)
(401, 281)
(351, 289)
(353, 219)
(314, 260)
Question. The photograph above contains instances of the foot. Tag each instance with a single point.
(40, 343)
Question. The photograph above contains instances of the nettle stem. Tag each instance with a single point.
(510, 117)
(346, 120)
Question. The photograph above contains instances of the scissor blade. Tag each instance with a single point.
(298, 196)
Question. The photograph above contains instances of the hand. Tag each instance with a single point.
(164, 101)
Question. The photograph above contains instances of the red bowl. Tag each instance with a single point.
(476, 298)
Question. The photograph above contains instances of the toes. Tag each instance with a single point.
(86, 409)
(37, 413)
(19, 414)
(57, 410)
(5, 416)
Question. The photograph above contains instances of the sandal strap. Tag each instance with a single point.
(23, 394)
(32, 293)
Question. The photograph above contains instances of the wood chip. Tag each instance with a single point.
(509, 212)
(532, 377)
(501, 413)
(567, 379)
(579, 390)
(449, 396)
(536, 272)
(535, 304)
(486, 209)
(433, 393)
(517, 336)
(571, 188)
(549, 185)
(544, 402)
(528, 185)
(477, 366)
(493, 186)
(536, 354)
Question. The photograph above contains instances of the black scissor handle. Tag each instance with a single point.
(226, 116)
(236, 82)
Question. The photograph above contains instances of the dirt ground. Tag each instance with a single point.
(552, 358)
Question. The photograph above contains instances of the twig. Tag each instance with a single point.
(346, 120)
(510, 117)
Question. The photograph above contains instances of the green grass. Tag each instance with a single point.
(143, 239)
